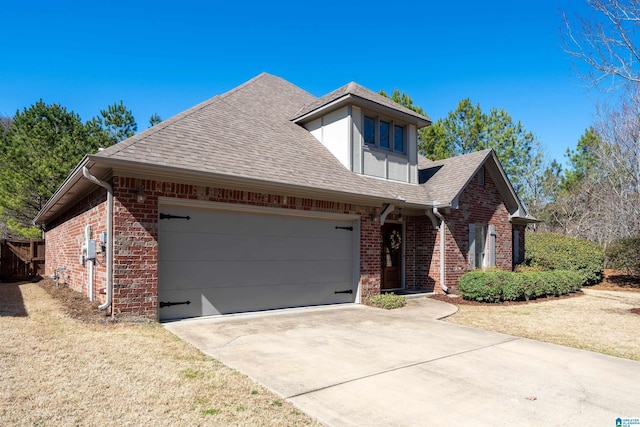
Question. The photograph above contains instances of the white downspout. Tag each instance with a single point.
(107, 186)
(437, 213)
(89, 262)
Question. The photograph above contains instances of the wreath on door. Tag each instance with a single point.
(395, 240)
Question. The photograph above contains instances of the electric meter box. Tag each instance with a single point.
(91, 249)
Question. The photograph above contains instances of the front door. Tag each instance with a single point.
(391, 256)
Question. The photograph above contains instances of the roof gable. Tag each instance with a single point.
(357, 94)
(445, 180)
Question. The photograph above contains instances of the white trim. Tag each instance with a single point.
(383, 215)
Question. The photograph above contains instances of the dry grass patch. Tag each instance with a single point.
(56, 370)
(599, 321)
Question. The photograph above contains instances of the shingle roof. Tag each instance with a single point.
(247, 134)
(445, 179)
(354, 89)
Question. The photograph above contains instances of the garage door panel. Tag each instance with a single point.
(228, 261)
(208, 302)
(242, 223)
(223, 274)
(229, 247)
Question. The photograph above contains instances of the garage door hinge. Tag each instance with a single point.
(169, 216)
(350, 291)
(344, 228)
(169, 304)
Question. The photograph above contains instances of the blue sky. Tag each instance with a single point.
(165, 57)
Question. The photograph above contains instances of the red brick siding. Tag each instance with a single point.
(370, 252)
(64, 239)
(136, 235)
(477, 204)
(135, 252)
(422, 261)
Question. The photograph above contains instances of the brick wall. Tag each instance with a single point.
(422, 260)
(477, 204)
(64, 239)
(136, 237)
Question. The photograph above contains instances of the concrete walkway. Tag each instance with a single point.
(351, 365)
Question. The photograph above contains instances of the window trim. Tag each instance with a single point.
(488, 247)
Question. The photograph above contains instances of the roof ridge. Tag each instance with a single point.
(245, 84)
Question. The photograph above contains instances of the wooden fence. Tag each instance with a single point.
(21, 259)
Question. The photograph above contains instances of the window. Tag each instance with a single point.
(369, 130)
(481, 176)
(398, 138)
(482, 239)
(516, 247)
(384, 134)
(481, 244)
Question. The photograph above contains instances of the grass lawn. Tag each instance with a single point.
(56, 370)
(600, 320)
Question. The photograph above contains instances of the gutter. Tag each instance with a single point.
(107, 186)
(437, 213)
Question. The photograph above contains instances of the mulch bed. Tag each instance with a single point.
(618, 281)
(458, 300)
(75, 304)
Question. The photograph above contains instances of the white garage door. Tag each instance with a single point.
(222, 261)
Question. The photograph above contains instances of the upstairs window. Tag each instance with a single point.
(398, 138)
(369, 130)
(384, 134)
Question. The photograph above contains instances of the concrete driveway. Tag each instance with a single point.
(351, 365)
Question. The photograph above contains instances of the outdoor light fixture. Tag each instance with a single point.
(140, 196)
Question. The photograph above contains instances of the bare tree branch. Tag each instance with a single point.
(608, 42)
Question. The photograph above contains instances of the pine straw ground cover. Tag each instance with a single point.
(58, 370)
(605, 318)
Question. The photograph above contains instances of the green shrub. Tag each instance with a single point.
(514, 288)
(386, 301)
(551, 251)
(624, 254)
(479, 286)
(498, 286)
